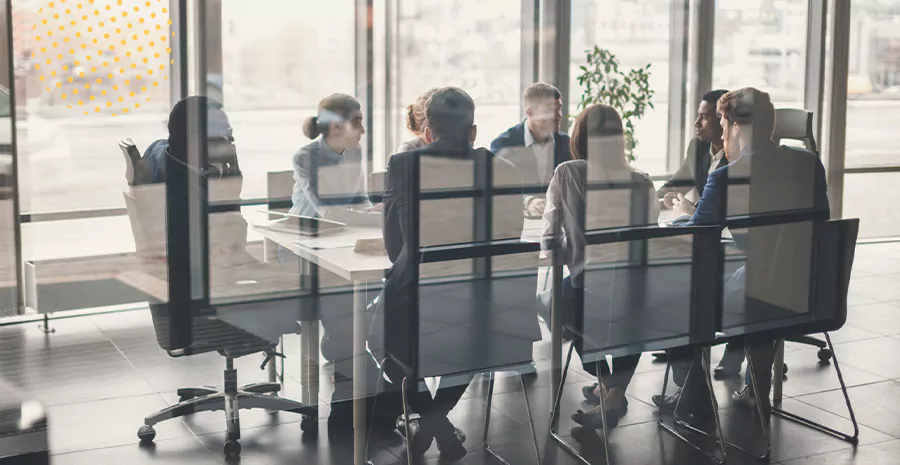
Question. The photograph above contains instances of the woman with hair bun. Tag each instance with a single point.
(331, 165)
(415, 122)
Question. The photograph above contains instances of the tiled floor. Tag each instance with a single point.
(99, 376)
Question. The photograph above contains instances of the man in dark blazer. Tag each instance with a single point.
(705, 154)
(762, 177)
(535, 146)
(432, 328)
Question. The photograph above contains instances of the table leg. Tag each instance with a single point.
(778, 372)
(272, 367)
(359, 373)
(556, 340)
(309, 359)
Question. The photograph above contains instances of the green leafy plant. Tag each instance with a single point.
(628, 92)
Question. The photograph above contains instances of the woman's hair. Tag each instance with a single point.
(335, 108)
(599, 121)
(415, 113)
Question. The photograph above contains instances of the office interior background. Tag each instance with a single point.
(67, 242)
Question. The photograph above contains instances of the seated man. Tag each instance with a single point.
(780, 178)
(535, 146)
(452, 320)
(221, 158)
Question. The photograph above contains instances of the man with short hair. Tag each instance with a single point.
(761, 177)
(535, 146)
(413, 219)
(705, 154)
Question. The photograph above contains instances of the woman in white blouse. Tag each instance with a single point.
(598, 189)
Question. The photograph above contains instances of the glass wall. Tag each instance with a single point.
(472, 45)
(638, 33)
(88, 75)
(873, 100)
(9, 301)
(873, 107)
(762, 43)
(271, 70)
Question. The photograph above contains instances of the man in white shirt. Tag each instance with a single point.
(535, 146)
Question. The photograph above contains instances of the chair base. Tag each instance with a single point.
(554, 416)
(852, 439)
(231, 399)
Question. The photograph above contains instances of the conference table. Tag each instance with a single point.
(335, 253)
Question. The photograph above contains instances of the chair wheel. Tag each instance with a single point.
(146, 433)
(784, 369)
(232, 448)
(309, 425)
(824, 355)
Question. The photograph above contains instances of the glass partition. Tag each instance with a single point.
(638, 33)
(760, 45)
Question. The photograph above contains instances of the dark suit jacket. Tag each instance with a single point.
(768, 179)
(693, 170)
(514, 137)
(473, 321)
(775, 279)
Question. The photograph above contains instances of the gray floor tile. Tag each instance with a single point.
(880, 318)
(875, 405)
(169, 452)
(884, 453)
(876, 356)
(807, 375)
(107, 423)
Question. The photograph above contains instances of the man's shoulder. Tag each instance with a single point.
(513, 136)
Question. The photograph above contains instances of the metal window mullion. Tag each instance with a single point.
(16, 213)
(197, 156)
(555, 53)
(679, 40)
(178, 84)
(834, 148)
(530, 52)
(364, 72)
(814, 88)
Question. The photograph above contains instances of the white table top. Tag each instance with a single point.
(334, 252)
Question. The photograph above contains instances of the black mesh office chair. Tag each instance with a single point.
(797, 124)
(146, 206)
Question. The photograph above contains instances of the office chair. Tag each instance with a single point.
(146, 206)
(797, 124)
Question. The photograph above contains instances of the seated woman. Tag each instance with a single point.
(598, 148)
(331, 165)
(415, 122)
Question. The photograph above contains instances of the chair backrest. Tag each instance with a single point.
(455, 315)
(279, 188)
(796, 124)
(624, 307)
(135, 167)
(834, 264)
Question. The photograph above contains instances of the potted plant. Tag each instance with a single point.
(628, 92)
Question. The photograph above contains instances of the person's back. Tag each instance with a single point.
(440, 167)
(768, 180)
(439, 195)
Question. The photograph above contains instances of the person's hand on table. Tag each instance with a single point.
(669, 200)
(376, 208)
(682, 206)
(535, 207)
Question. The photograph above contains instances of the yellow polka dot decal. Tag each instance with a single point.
(102, 56)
